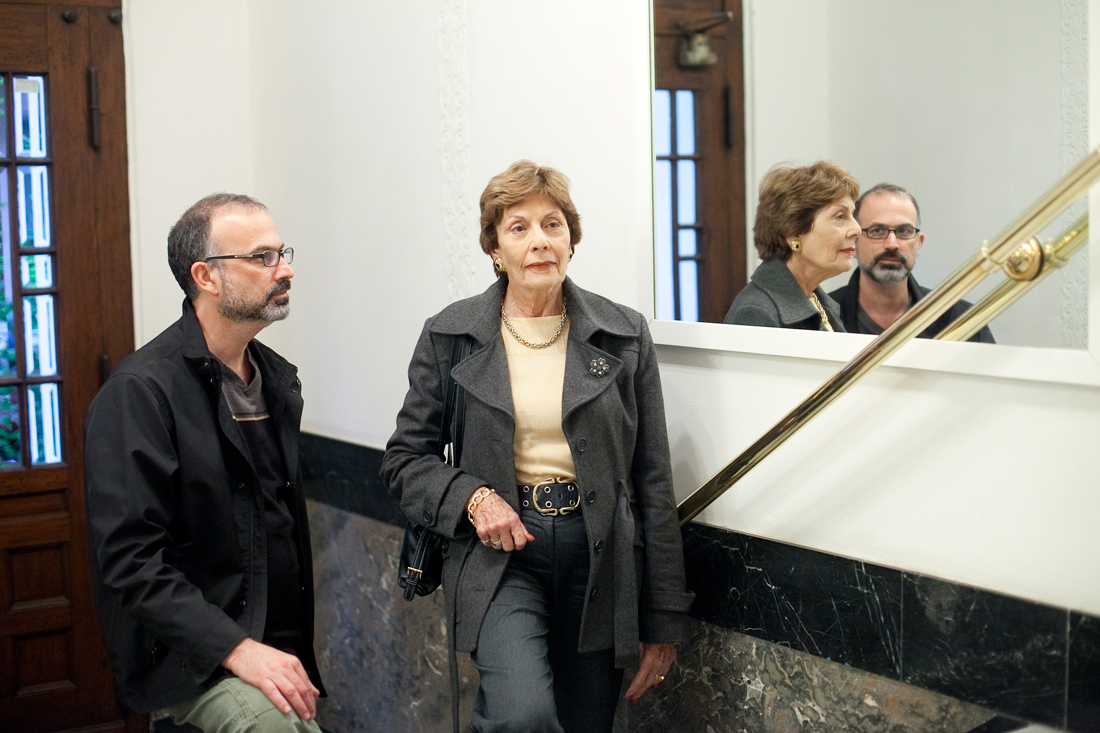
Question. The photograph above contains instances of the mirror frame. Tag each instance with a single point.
(1061, 366)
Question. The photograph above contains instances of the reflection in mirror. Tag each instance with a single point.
(975, 125)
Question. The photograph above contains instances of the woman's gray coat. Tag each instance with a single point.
(613, 418)
(774, 298)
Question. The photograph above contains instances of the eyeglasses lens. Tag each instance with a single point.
(902, 232)
(271, 256)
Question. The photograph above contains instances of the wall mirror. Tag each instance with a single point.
(976, 108)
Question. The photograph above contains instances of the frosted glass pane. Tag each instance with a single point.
(3, 116)
(34, 205)
(44, 423)
(685, 122)
(662, 222)
(662, 122)
(688, 244)
(689, 291)
(30, 116)
(36, 271)
(685, 191)
(39, 335)
(9, 427)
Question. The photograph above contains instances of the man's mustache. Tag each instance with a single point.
(891, 253)
(280, 287)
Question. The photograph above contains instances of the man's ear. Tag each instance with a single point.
(204, 277)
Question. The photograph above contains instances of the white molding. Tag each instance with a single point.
(460, 215)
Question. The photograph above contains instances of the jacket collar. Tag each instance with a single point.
(792, 305)
(589, 314)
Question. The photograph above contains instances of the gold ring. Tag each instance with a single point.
(487, 543)
(660, 677)
(497, 544)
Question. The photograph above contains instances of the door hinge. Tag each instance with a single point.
(93, 107)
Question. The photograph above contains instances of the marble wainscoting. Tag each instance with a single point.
(786, 639)
(383, 659)
(726, 681)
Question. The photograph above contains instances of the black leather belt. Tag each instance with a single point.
(552, 497)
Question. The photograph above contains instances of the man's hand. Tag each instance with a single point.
(655, 663)
(278, 675)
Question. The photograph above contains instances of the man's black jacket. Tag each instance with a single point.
(175, 516)
(848, 298)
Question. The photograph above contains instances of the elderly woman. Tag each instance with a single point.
(565, 562)
(805, 233)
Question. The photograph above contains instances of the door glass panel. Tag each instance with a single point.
(7, 310)
(685, 189)
(39, 336)
(689, 290)
(662, 223)
(685, 122)
(36, 271)
(44, 423)
(34, 206)
(688, 244)
(9, 427)
(30, 116)
(3, 116)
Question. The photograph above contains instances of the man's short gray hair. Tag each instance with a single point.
(189, 238)
(891, 189)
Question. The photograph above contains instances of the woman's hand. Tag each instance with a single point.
(656, 661)
(499, 526)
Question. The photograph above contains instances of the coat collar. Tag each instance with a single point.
(589, 314)
(589, 370)
(792, 305)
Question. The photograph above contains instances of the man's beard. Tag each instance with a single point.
(883, 273)
(237, 308)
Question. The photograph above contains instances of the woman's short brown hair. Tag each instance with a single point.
(521, 181)
(789, 200)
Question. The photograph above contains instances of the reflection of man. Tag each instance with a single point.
(882, 288)
(200, 547)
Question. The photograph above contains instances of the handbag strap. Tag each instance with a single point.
(454, 403)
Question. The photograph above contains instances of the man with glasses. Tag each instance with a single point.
(199, 539)
(882, 288)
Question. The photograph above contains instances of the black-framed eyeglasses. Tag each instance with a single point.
(270, 257)
(905, 231)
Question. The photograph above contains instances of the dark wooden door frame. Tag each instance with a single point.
(42, 509)
(721, 137)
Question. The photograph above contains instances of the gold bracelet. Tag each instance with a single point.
(475, 501)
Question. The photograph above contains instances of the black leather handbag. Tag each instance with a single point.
(420, 566)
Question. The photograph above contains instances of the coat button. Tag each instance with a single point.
(581, 445)
(244, 603)
(427, 517)
(592, 594)
(240, 485)
(590, 497)
(598, 546)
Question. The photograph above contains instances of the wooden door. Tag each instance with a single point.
(700, 177)
(65, 319)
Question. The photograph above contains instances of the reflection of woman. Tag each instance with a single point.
(805, 233)
(553, 591)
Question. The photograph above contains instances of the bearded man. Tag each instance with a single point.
(199, 539)
(882, 288)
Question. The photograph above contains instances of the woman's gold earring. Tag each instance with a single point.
(571, 250)
(796, 245)
(498, 265)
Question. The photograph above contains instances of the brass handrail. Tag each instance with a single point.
(988, 258)
(1026, 268)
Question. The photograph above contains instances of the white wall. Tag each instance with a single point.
(339, 118)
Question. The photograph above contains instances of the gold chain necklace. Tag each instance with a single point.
(821, 312)
(525, 342)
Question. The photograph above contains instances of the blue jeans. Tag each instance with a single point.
(532, 676)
